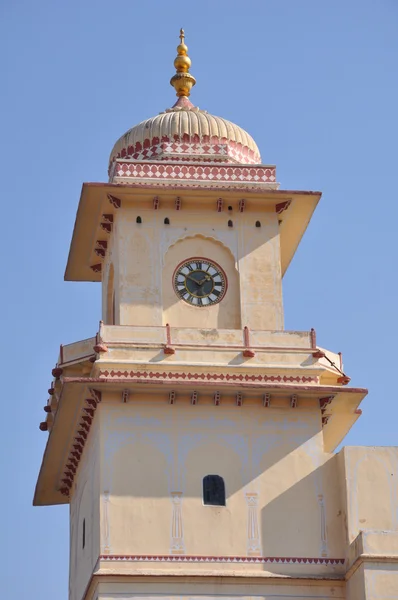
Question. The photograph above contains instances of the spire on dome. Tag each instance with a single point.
(182, 81)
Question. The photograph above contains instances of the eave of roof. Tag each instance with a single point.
(343, 411)
(94, 203)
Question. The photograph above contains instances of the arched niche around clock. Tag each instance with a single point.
(178, 313)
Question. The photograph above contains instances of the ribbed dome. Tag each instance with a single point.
(184, 129)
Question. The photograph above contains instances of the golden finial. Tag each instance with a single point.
(182, 81)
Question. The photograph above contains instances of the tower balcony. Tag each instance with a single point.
(284, 370)
(280, 357)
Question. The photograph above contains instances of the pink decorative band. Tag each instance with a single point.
(167, 376)
(191, 145)
(280, 560)
(196, 172)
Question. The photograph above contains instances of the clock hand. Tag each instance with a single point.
(192, 279)
(202, 281)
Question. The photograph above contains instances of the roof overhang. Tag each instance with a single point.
(339, 408)
(99, 203)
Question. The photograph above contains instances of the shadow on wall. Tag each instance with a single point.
(282, 490)
(172, 451)
(306, 517)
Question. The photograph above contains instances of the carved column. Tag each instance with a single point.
(177, 532)
(253, 532)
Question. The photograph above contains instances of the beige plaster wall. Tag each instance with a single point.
(145, 256)
(374, 581)
(213, 589)
(260, 271)
(381, 581)
(84, 505)
(282, 489)
(356, 585)
(369, 486)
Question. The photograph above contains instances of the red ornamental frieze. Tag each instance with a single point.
(280, 560)
(227, 377)
(83, 429)
(196, 172)
(191, 145)
(200, 172)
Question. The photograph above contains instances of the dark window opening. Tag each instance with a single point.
(84, 533)
(229, 207)
(138, 220)
(167, 221)
(213, 490)
(258, 224)
(230, 224)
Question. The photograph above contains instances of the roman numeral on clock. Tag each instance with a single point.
(181, 289)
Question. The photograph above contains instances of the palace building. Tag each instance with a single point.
(192, 436)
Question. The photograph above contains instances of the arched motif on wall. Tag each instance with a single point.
(225, 314)
(202, 236)
(118, 441)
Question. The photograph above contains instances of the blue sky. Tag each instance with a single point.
(314, 82)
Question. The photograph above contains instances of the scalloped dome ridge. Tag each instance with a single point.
(188, 131)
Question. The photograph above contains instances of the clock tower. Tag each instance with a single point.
(193, 437)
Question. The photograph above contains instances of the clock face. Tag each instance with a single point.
(200, 282)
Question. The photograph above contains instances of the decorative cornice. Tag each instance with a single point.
(83, 429)
(221, 377)
(106, 227)
(281, 560)
(107, 218)
(114, 201)
(210, 173)
(96, 268)
(267, 400)
(279, 208)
